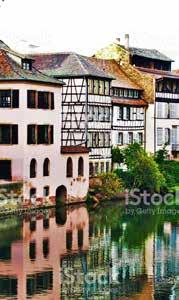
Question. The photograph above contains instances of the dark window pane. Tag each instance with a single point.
(31, 95)
(15, 98)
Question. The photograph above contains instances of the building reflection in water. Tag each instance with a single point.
(62, 255)
(30, 266)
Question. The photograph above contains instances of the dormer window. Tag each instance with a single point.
(27, 64)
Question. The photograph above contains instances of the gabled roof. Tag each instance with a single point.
(11, 70)
(149, 53)
(63, 65)
(112, 68)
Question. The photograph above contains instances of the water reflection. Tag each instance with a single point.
(71, 253)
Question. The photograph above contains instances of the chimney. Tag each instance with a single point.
(127, 41)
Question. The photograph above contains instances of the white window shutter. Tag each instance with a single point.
(159, 136)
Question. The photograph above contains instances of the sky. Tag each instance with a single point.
(85, 26)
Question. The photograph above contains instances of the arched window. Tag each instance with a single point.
(46, 167)
(80, 167)
(69, 167)
(33, 168)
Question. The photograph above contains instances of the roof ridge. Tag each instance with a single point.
(77, 55)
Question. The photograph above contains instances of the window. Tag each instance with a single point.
(9, 98)
(40, 134)
(95, 139)
(120, 138)
(107, 88)
(45, 248)
(159, 110)
(91, 170)
(125, 93)
(130, 137)
(107, 114)
(33, 168)
(173, 110)
(32, 250)
(107, 142)
(107, 166)
(127, 113)
(159, 136)
(96, 87)
(32, 225)
(101, 87)
(27, 64)
(121, 113)
(46, 191)
(90, 86)
(131, 93)
(90, 113)
(5, 170)
(80, 167)
(140, 138)
(41, 100)
(80, 238)
(167, 136)
(102, 167)
(101, 139)
(8, 134)
(96, 168)
(46, 167)
(45, 223)
(174, 136)
(136, 94)
(33, 192)
(140, 113)
(95, 113)
(31, 99)
(69, 238)
(101, 113)
(90, 140)
(69, 167)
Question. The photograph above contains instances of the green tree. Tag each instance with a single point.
(161, 155)
(117, 155)
(132, 153)
(147, 175)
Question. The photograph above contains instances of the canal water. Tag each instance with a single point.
(78, 253)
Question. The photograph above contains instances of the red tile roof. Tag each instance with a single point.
(131, 102)
(113, 69)
(74, 149)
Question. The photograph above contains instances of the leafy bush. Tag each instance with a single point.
(111, 185)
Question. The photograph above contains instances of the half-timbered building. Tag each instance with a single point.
(86, 107)
(128, 107)
(166, 108)
(151, 69)
(30, 135)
